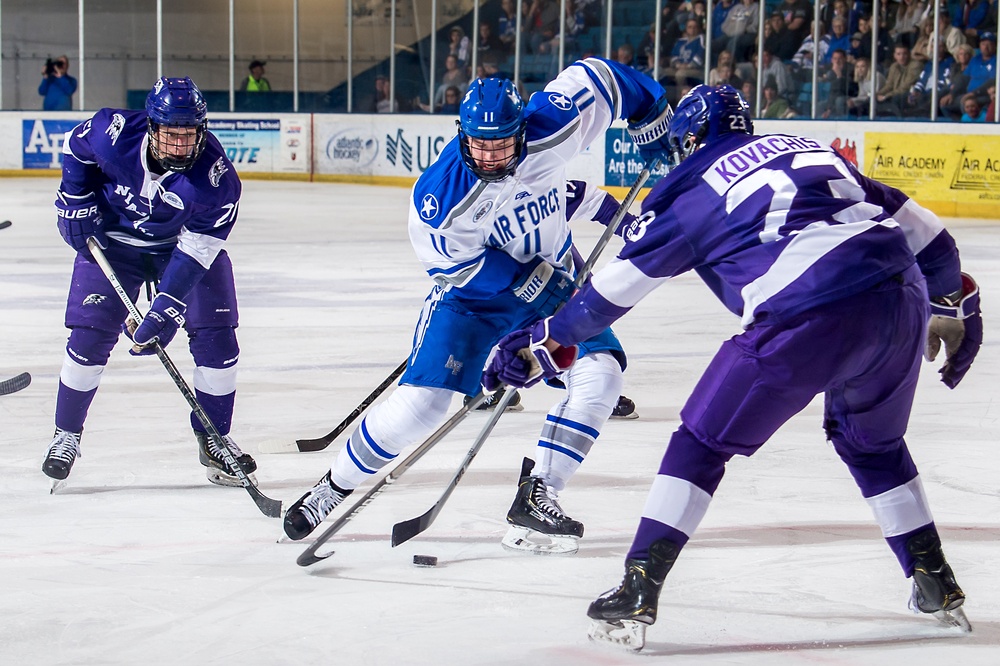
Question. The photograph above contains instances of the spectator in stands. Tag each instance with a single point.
(950, 103)
(778, 40)
(777, 72)
(918, 103)
(953, 37)
(969, 16)
(687, 60)
(646, 57)
(802, 62)
(507, 23)
(854, 52)
(458, 45)
(974, 112)
(574, 26)
(839, 39)
(885, 49)
(991, 110)
(625, 55)
(798, 15)
(775, 106)
(909, 15)
(543, 17)
(720, 10)
(489, 45)
(382, 96)
(750, 95)
(256, 81)
(715, 77)
(831, 10)
(740, 27)
(57, 86)
(902, 75)
(982, 67)
(452, 98)
(454, 75)
(858, 105)
(839, 78)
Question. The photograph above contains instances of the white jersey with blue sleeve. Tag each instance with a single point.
(478, 237)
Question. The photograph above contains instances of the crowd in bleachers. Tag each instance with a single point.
(902, 59)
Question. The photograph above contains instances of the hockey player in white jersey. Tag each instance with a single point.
(488, 220)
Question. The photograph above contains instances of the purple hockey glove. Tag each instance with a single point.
(522, 360)
(79, 219)
(165, 316)
(958, 322)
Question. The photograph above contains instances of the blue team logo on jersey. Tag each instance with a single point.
(429, 207)
(561, 102)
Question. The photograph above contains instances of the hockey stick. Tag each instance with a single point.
(269, 507)
(407, 529)
(308, 445)
(15, 384)
(309, 555)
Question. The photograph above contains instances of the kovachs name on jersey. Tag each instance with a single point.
(526, 216)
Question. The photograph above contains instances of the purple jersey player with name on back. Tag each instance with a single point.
(156, 191)
(834, 277)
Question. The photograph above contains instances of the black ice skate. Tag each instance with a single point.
(621, 615)
(625, 409)
(537, 522)
(306, 514)
(63, 452)
(210, 455)
(935, 589)
(494, 400)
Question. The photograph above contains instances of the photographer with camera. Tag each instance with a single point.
(57, 86)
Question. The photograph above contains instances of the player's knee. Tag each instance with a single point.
(214, 347)
(91, 346)
(595, 383)
(410, 413)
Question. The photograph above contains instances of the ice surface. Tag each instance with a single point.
(141, 560)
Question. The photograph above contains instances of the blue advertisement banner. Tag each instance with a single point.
(622, 162)
(42, 142)
(251, 144)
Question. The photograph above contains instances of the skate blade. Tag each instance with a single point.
(57, 484)
(954, 618)
(626, 417)
(626, 634)
(220, 478)
(524, 540)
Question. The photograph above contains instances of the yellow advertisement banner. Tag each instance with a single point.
(957, 175)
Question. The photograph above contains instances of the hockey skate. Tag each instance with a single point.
(63, 452)
(624, 409)
(306, 514)
(620, 616)
(216, 470)
(935, 590)
(493, 400)
(537, 522)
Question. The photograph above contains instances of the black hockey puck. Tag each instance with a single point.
(425, 561)
(5, 224)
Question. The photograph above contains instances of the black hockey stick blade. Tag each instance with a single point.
(5, 224)
(309, 445)
(15, 384)
(406, 530)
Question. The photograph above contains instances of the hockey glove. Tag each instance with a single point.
(165, 316)
(544, 289)
(79, 219)
(958, 322)
(650, 133)
(522, 359)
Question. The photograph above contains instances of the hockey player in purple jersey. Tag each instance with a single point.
(489, 221)
(155, 190)
(835, 277)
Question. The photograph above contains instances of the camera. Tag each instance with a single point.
(50, 67)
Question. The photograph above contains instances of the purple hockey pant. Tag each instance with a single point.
(862, 353)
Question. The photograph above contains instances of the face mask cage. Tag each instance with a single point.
(176, 163)
(492, 175)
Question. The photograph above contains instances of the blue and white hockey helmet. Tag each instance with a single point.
(704, 114)
(491, 128)
(175, 107)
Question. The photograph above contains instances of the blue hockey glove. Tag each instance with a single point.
(165, 316)
(79, 219)
(650, 133)
(958, 322)
(522, 360)
(544, 288)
